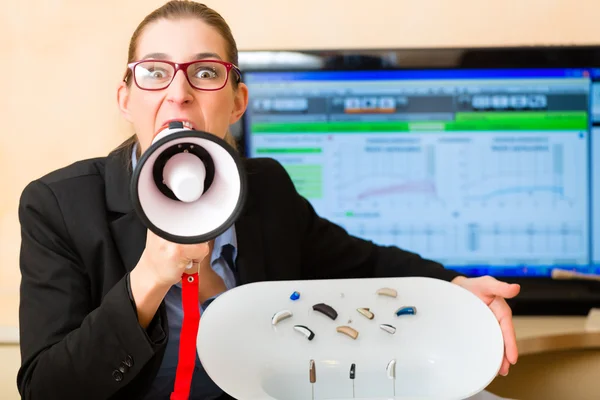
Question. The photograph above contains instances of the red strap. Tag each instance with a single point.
(187, 340)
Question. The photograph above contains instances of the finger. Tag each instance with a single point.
(504, 289)
(196, 252)
(192, 266)
(504, 315)
(504, 367)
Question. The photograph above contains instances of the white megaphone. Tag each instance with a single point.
(189, 186)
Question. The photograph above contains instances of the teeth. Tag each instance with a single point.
(187, 125)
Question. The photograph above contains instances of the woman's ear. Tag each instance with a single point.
(123, 100)
(240, 102)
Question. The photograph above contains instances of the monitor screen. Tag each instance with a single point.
(488, 171)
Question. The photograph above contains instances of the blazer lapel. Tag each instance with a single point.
(250, 261)
(130, 238)
(127, 230)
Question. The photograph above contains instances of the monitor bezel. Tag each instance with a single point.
(429, 58)
(570, 297)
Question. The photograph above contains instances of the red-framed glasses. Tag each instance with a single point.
(207, 75)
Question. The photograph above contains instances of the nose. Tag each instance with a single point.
(180, 91)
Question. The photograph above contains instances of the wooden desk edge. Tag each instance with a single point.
(561, 342)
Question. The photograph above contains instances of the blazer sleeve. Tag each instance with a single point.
(330, 252)
(68, 349)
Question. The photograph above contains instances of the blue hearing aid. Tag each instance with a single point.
(410, 310)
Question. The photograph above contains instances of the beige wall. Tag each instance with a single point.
(63, 59)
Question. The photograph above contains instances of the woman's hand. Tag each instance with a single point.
(493, 292)
(166, 262)
(161, 266)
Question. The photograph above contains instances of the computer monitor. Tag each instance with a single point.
(489, 168)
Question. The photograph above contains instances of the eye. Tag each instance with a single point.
(206, 73)
(157, 73)
(153, 71)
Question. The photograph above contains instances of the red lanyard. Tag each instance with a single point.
(187, 340)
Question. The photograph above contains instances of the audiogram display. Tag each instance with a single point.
(484, 171)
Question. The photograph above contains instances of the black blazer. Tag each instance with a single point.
(79, 333)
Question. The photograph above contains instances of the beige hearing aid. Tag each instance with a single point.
(387, 292)
(346, 330)
(366, 312)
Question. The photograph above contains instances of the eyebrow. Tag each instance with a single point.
(164, 56)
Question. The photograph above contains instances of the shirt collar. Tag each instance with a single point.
(134, 156)
(226, 238)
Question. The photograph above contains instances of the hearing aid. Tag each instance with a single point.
(312, 376)
(409, 310)
(352, 376)
(312, 371)
(348, 331)
(326, 309)
(280, 316)
(305, 331)
(387, 292)
(366, 312)
(391, 374)
(391, 369)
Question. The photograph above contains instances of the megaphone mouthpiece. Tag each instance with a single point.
(170, 128)
(184, 171)
(184, 174)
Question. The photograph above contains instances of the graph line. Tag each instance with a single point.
(407, 187)
(515, 190)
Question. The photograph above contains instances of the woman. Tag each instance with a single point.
(100, 296)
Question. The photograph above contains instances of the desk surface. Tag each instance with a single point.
(529, 327)
(545, 334)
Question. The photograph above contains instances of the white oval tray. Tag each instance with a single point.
(452, 348)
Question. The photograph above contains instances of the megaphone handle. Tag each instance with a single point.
(187, 340)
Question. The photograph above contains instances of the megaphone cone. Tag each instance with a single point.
(189, 186)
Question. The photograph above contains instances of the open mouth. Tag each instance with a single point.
(165, 125)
